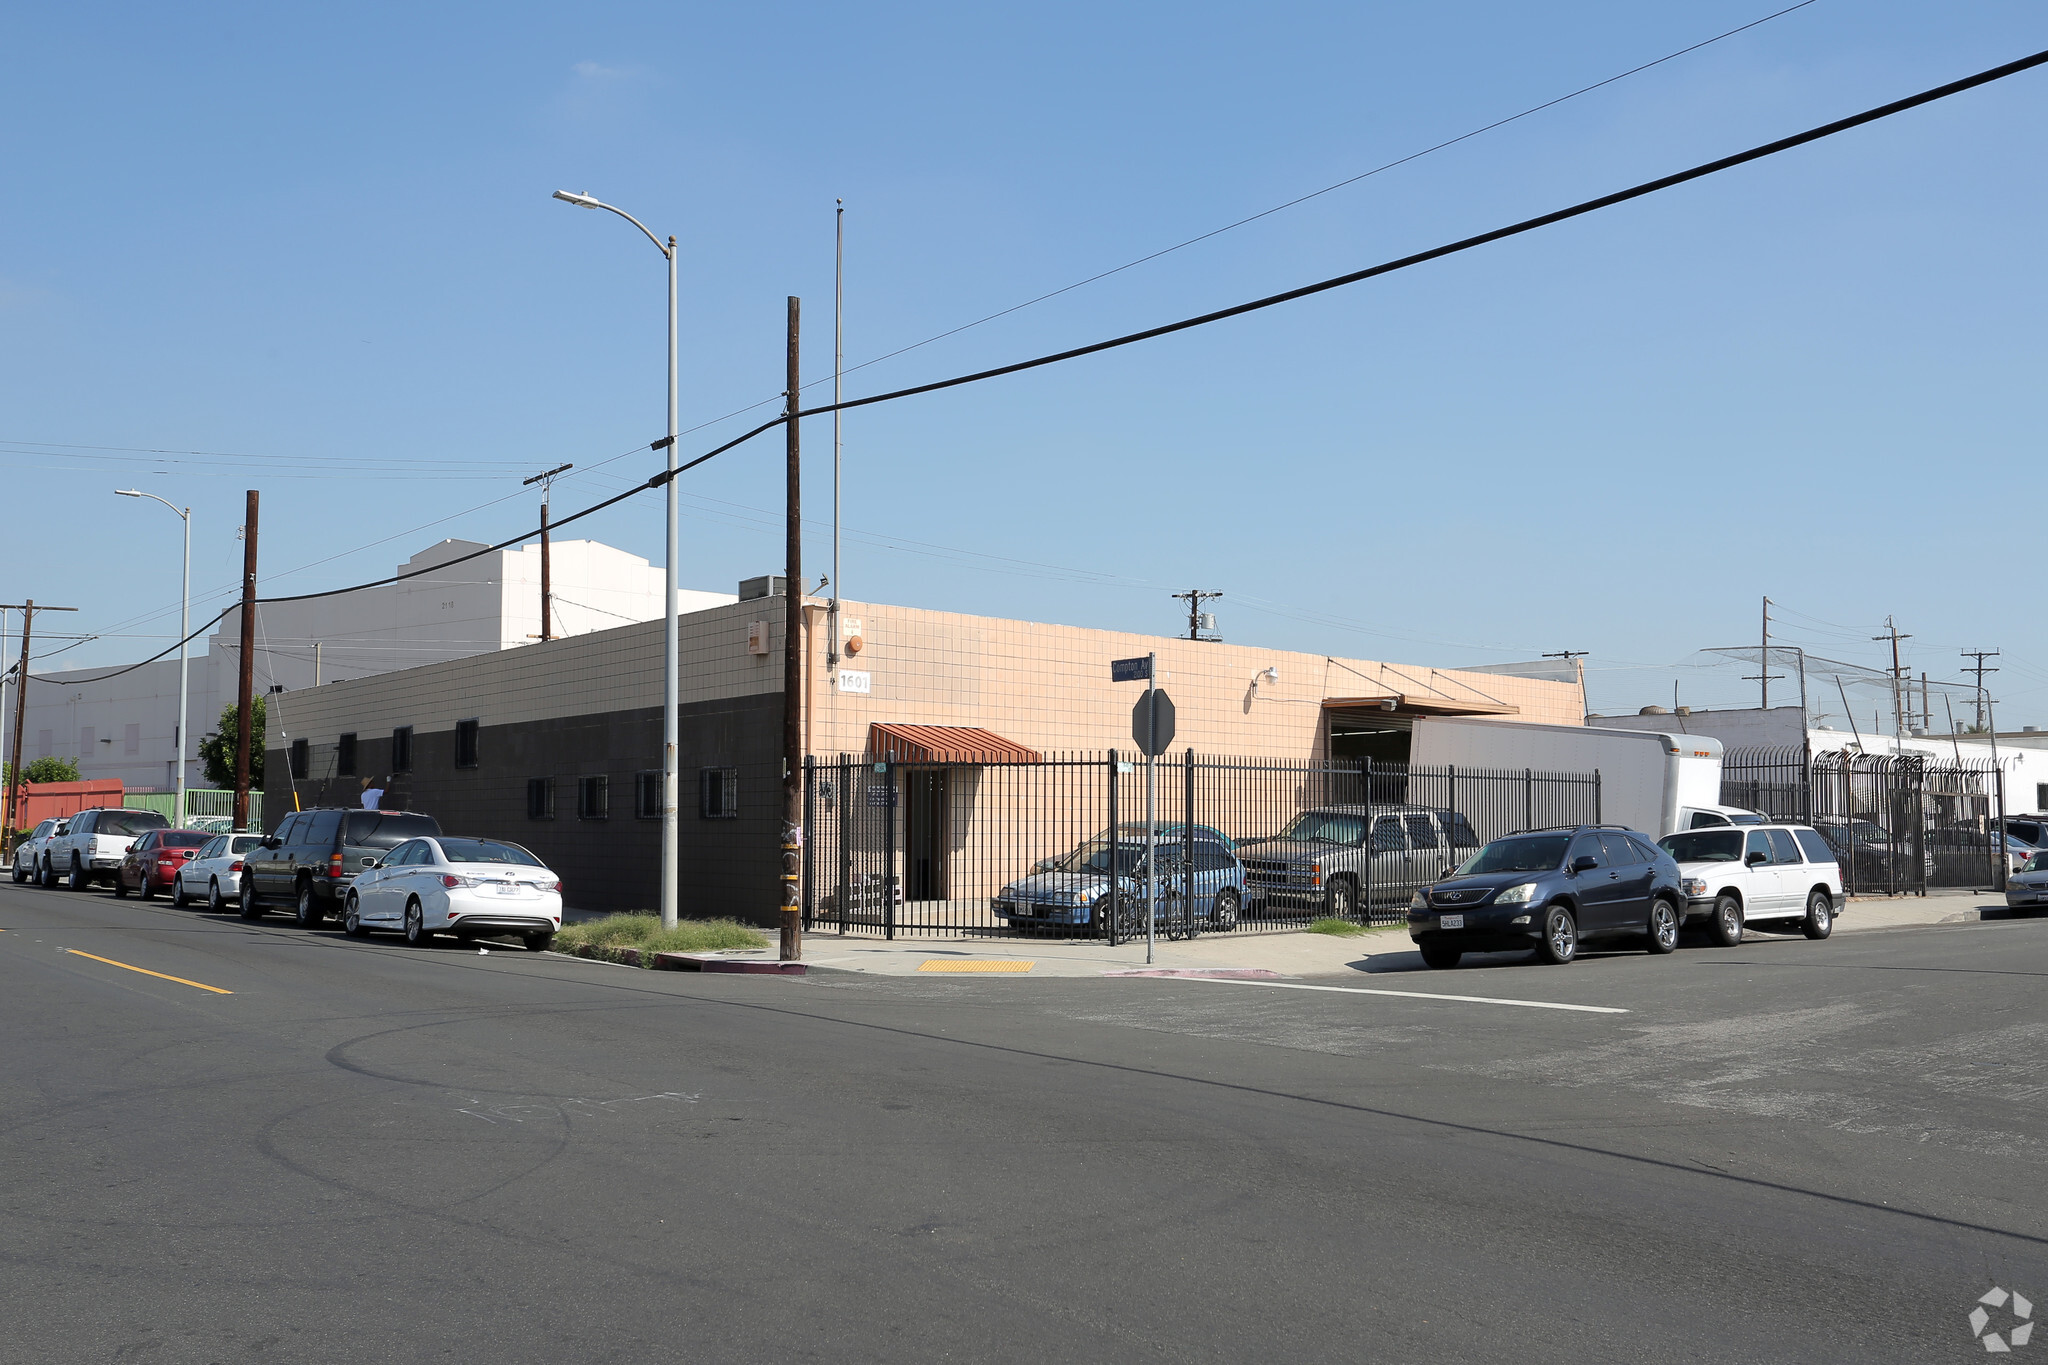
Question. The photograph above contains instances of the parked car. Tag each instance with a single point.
(153, 860)
(1551, 890)
(2028, 829)
(1871, 854)
(1784, 876)
(1075, 890)
(28, 854)
(1320, 861)
(315, 854)
(1135, 829)
(93, 844)
(214, 874)
(472, 888)
(1965, 844)
(2028, 887)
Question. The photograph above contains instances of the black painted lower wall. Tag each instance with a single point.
(729, 866)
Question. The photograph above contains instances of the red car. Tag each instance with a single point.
(154, 859)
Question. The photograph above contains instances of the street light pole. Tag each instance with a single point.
(184, 629)
(671, 685)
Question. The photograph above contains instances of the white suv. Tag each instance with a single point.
(92, 846)
(1784, 876)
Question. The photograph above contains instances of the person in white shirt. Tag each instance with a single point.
(372, 795)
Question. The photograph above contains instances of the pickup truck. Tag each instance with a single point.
(1321, 861)
(93, 845)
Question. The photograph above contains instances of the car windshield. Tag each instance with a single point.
(376, 829)
(184, 838)
(128, 822)
(1325, 827)
(1097, 855)
(1529, 853)
(1704, 846)
(2037, 863)
(487, 851)
(242, 843)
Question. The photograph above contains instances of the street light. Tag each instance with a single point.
(671, 695)
(184, 629)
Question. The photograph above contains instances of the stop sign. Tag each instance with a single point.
(1152, 722)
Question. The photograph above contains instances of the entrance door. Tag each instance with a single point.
(925, 831)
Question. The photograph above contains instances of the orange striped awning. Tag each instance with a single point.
(945, 744)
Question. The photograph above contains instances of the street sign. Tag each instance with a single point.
(1130, 670)
(1152, 722)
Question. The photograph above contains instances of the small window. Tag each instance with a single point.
(1645, 852)
(1422, 831)
(465, 743)
(1817, 850)
(301, 758)
(647, 796)
(1386, 835)
(1784, 849)
(593, 798)
(2041, 796)
(345, 756)
(1705, 819)
(1621, 851)
(540, 798)
(288, 828)
(144, 844)
(719, 793)
(323, 830)
(401, 749)
(1586, 846)
(1759, 842)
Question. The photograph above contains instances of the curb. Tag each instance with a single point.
(1219, 973)
(683, 962)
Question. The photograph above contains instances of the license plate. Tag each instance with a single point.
(1451, 922)
(507, 889)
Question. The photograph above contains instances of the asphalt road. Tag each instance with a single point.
(1787, 1151)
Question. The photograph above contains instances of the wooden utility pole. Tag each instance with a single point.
(793, 663)
(9, 812)
(546, 480)
(1900, 703)
(245, 693)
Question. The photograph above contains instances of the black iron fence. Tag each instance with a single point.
(1057, 847)
(1900, 823)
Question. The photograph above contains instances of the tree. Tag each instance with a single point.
(217, 751)
(45, 770)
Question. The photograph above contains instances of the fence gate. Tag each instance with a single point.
(1248, 844)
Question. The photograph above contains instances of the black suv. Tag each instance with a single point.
(1550, 890)
(309, 863)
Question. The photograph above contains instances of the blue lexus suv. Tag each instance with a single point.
(1551, 890)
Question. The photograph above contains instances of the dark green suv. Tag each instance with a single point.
(309, 863)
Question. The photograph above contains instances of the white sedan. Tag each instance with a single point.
(467, 887)
(214, 873)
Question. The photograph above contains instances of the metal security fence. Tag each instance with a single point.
(1900, 823)
(1243, 844)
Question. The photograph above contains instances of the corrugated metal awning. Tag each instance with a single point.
(945, 744)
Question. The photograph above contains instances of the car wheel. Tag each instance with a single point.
(19, 875)
(1098, 916)
(178, 896)
(1341, 900)
(1560, 936)
(537, 943)
(214, 902)
(146, 887)
(308, 911)
(416, 932)
(1820, 916)
(1441, 958)
(1224, 912)
(352, 919)
(46, 875)
(1663, 926)
(121, 887)
(251, 908)
(79, 881)
(1727, 921)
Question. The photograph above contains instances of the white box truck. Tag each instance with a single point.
(1652, 782)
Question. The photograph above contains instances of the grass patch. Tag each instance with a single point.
(645, 932)
(1337, 928)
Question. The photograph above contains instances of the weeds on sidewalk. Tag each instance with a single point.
(645, 933)
(1337, 928)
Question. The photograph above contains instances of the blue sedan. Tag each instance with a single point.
(1075, 890)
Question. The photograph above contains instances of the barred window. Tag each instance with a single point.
(719, 793)
(401, 749)
(345, 756)
(593, 798)
(465, 743)
(301, 757)
(540, 798)
(647, 796)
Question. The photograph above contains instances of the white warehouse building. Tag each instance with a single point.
(124, 726)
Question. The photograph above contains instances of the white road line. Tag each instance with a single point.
(1406, 995)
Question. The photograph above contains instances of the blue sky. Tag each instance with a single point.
(325, 239)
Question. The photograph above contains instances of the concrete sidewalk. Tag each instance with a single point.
(1263, 954)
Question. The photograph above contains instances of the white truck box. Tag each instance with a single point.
(1649, 781)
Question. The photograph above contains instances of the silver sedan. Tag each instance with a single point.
(471, 888)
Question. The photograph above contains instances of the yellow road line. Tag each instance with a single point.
(940, 964)
(147, 972)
